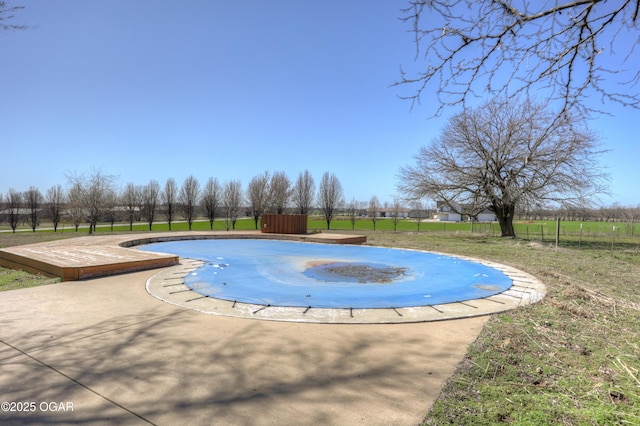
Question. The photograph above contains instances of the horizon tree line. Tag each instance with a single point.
(94, 197)
(150, 203)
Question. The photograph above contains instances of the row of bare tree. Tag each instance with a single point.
(93, 197)
(612, 213)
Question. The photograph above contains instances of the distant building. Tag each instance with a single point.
(486, 216)
(392, 212)
(445, 213)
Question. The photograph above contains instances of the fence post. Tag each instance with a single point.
(580, 240)
(557, 232)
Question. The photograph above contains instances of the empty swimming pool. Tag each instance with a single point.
(297, 274)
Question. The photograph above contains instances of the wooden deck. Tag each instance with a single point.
(100, 255)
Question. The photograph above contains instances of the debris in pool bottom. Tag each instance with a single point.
(360, 272)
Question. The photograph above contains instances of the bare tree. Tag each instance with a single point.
(139, 208)
(150, 196)
(330, 196)
(110, 213)
(352, 212)
(13, 204)
(55, 201)
(95, 190)
(568, 51)
(188, 196)
(33, 198)
(507, 155)
(76, 210)
(304, 192)
(211, 198)
(258, 196)
(280, 192)
(231, 201)
(169, 197)
(373, 210)
(130, 199)
(395, 213)
(418, 208)
(7, 14)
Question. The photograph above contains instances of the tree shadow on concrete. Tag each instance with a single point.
(186, 367)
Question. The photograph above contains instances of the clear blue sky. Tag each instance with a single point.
(151, 89)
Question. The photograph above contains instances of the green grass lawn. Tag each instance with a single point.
(13, 280)
(571, 359)
(538, 230)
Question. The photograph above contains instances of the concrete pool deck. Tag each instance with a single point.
(115, 355)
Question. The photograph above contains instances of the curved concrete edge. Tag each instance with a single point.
(168, 286)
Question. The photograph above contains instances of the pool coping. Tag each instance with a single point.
(168, 286)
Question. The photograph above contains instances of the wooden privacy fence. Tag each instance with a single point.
(284, 223)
